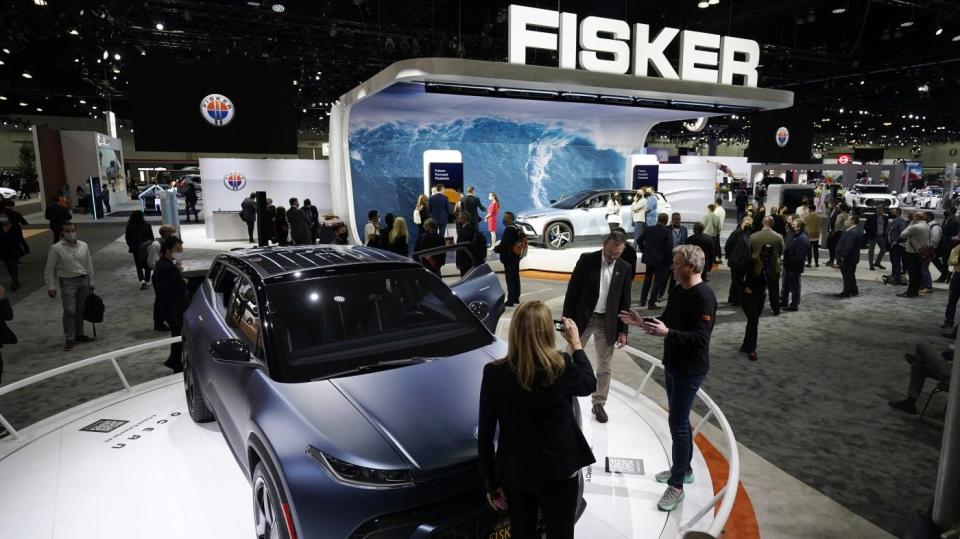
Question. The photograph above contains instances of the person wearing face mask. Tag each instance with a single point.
(153, 256)
(598, 290)
(70, 269)
(340, 235)
(171, 289)
(11, 249)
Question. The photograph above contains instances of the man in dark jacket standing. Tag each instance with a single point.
(248, 213)
(706, 244)
(897, 225)
(470, 204)
(656, 244)
(738, 258)
(848, 254)
(190, 198)
(57, 215)
(439, 206)
(794, 257)
(741, 201)
(951, 228)
(510, 261)
(299, 223)
(171, 290)
(598, 290)
(875, 228)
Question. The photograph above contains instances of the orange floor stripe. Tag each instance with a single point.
(742, 523)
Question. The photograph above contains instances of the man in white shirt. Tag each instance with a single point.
(722, 214)
(70, 267)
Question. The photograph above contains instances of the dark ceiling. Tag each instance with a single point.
(877, 61)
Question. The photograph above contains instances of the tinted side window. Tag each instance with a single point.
(599, 201)
(244, 315)
(223, 286)
(626, 198)
(215, 272)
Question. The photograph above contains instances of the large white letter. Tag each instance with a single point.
(590, 28)
(729, 66)
(568, 40)
(692, 53)
(519, 38)
(652, 52)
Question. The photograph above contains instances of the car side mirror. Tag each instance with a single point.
(230, 351)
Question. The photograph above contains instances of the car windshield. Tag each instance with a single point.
(328, 325)
(874, 189)
(570, 201)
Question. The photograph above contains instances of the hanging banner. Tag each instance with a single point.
(646, 176)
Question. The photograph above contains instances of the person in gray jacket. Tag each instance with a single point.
(915, 238)
(299, 223)
(898, 223)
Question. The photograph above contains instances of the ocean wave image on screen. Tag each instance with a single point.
(526, 163)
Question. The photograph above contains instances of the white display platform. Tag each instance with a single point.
(161, 475)
(561, 260)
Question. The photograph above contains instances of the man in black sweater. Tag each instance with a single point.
(794, 257)
(510, 261)
(685, 325)
(655, 246)
(471, 204)
(706, 244)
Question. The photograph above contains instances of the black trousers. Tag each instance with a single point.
(790, 291)
(250, 225)
(813, 252)
(143, 270)
(511, 271)
(12, 262)
(752, 304)
(911, 263)
(736, 286)
(175, 361)
(557, 502)
(192, 207)
(849, 272)
(157, 315)
(773, 290)
(654, 282)
(57, 232)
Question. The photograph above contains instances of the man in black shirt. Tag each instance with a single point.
(685, 325)
(510, 261)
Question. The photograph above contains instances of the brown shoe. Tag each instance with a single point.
(600, 413)
(67, 346)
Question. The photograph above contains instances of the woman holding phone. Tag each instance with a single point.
(530, 395)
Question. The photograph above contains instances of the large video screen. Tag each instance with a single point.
(780, 136)
(212, 107)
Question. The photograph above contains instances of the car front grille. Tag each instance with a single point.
(464, 517)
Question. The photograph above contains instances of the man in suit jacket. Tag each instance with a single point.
(299, 223)
(248, 214)
(598, 290)
(656, 247)
(439, 206)
(705, 242)
(471, 204)
(875, 228)
(510, 261)
(848, 253)
(951, 228)
(794, 257)
(757, 240)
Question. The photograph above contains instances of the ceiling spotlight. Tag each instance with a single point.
(40, 2)
(703, 4)
(106, 55)
(27, 75)
(924, 88)
(713, 2)
(862, 82)
(22, 104)
(304, 111)
(6, 51)
(906, 24)
(94, 107)
(938, 32)
(116, 56)
(887, 124)
(279, 8)
(143, 53)
(839, 10)
(82, 102)
(1, 62)
(160, 26)
(294, 83)
(116, 69)
(39, 109)
(74, 32)
(76, 60)
(955, 39)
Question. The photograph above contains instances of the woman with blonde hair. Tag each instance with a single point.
(530, 394)
(398, 238)
(421, 213)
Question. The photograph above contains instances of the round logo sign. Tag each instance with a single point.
(217, 109)
(235, 181)
(843, 159)
(783, 136)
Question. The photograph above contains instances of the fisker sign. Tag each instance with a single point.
(703, 57)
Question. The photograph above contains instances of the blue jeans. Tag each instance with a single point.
(925, 271)
(950, 313)
(681, 390)
(637, 232)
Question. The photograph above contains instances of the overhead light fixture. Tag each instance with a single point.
(23, 104)
(956, 38)
(713, 2)
(3, 98)
(279, 8)
(839, 10)
(938, 32)
(27, 75)
(923, 88)
(887, 124)
(76, 60)
(6, 51)
(703, 4)
(94, 107)
(106, 55)
(39, 109)
(160, 26)
(906, 24)
(116, 56)
(862, 82)
(82, 102)
(40, 3)
(1, 62)
(294, 83)
(74, 32)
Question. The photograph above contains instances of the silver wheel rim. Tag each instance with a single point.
(265, 518)
(558, 236)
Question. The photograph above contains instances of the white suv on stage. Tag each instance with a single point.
(580, 215)
(870, 195)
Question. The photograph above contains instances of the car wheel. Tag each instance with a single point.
(199, 411)
(267, 514)
(558, 236)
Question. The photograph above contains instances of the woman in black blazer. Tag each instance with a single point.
(541, 449)
(171, 289)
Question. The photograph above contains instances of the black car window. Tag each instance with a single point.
(223, 287)
(345, 319)
(244, 315)
(599, 201)
(570, 201)
(626, 197)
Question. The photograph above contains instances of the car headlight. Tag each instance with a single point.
(360, 476)
(530, 217)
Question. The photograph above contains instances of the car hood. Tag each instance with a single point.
(539, 213)
(427, 412)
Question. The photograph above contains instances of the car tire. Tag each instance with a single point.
(196, 404)
(268, 519)
(558, 235)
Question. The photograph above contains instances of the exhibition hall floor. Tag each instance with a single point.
(135, 464)
(822, 455)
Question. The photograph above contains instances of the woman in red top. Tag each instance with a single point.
(493, 208)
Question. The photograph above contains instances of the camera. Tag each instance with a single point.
(558, 325)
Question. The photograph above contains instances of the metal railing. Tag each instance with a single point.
(726, 495)
(109, 356)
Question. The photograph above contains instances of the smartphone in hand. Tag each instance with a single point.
(649, 320)
(558, 325)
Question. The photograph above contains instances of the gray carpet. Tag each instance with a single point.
(815, 402)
